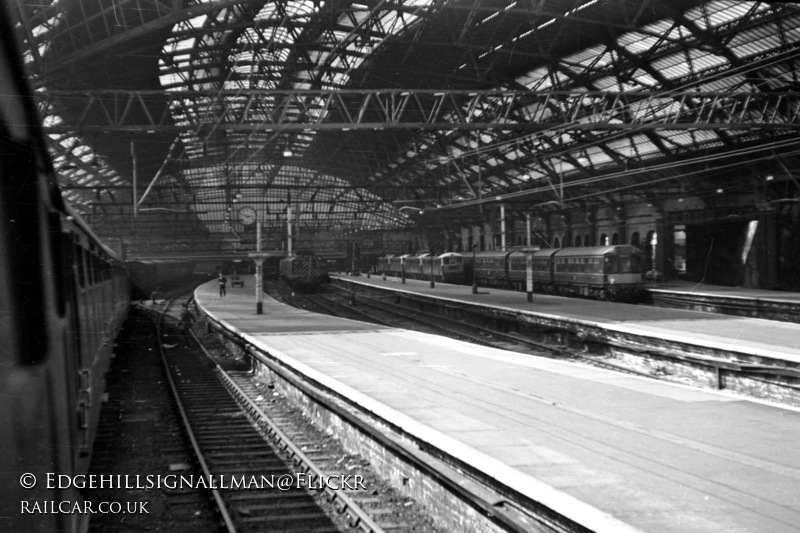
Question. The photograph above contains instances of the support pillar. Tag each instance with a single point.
(528, 229)
(502, 227)
(258, 257)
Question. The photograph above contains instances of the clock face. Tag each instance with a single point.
(247, 215)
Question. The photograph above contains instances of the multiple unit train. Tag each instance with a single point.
(304, 271)
(65, 296)
(606, 272)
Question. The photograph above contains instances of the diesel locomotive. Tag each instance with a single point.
(447, 267)
(304, 271)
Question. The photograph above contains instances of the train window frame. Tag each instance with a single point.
(78, 261)
(57, 254)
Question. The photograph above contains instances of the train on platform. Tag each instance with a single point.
(603, 272)
(613, 272)
(65, 296)
(304, 271)
(447, 267)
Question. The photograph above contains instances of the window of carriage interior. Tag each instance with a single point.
(78, 265)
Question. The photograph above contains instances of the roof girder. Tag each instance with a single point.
(444, 110)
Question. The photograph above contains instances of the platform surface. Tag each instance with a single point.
(766, 338)
(612, 451)
(704, 289)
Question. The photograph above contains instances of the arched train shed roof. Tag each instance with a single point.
(165, 116)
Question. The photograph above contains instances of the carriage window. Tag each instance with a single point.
(611, 266)
(94, 270)
(79, 265)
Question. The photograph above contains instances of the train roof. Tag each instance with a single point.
(157, 261)
(546, 252)
(495, 253)
(597, 250)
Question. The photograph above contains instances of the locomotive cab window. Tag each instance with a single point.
(631, 263)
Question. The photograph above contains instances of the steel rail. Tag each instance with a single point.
(223, 509)
(358, 517)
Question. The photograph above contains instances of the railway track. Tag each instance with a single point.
(258, 476)
(139, 414)
(339, 302)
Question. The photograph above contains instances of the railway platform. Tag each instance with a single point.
(772, 341)
(737, 301)
(613, 452)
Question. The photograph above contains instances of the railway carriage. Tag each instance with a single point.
(489, 268)
(542, 270)
(608, 272)
(505, 269)
(516, 269)
(65, 296)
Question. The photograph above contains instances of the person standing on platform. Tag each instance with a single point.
(223, 281)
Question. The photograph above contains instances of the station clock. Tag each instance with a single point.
(247, 215)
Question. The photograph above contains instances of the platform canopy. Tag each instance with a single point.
(166, 117)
